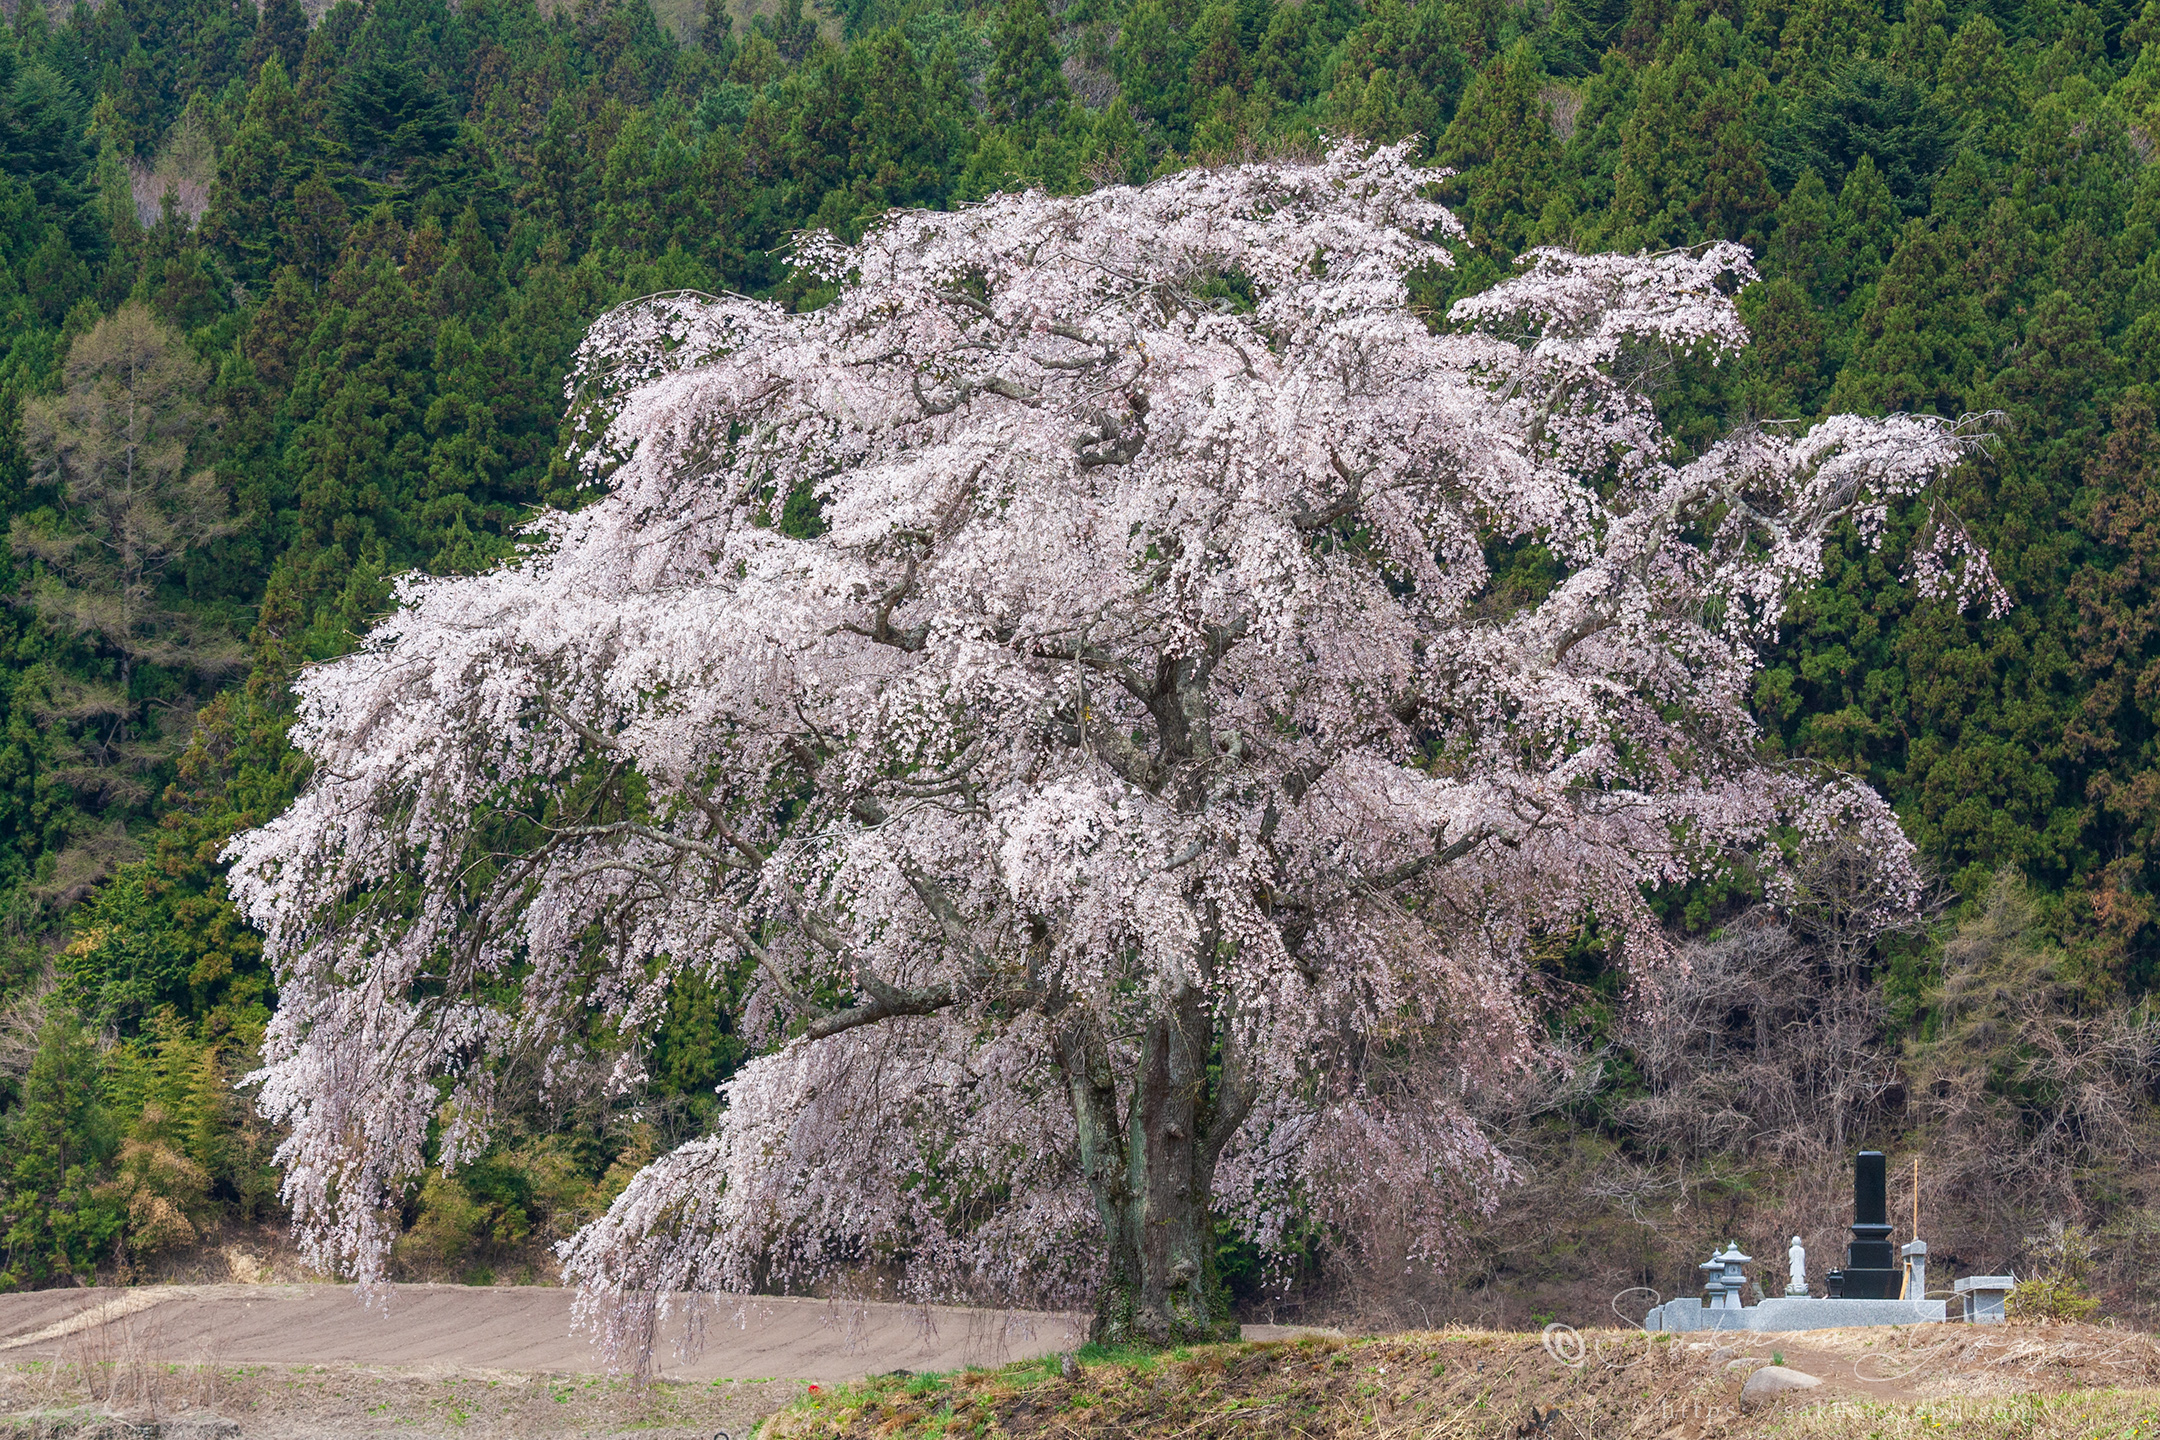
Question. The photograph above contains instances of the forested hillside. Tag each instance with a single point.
(289, 300)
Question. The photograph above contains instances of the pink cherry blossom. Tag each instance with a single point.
(1141, 754)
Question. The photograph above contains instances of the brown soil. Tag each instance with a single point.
(523, 1329)
(296, 1362)
(318, 1402)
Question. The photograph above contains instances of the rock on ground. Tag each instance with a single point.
(1772, 1381)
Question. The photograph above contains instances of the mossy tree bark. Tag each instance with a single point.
(1150, 1166)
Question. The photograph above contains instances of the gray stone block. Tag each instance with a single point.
(1782, 1312)
(1983, 1296)
(1787, 1312)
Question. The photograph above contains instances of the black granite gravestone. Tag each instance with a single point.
(1871, 1268)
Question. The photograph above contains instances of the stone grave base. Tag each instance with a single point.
(1791, 1312)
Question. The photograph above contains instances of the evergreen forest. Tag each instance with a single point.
(287, 300)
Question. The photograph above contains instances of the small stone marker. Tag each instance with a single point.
(1772, 1381)
(1915, 1253)
(1984, 1296)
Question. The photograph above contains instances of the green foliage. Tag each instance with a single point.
(390, 116)
(2059, 1291)
(59, 1137)
(126, 961)
(1024, 81)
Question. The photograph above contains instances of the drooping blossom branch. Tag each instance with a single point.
(1137, 744)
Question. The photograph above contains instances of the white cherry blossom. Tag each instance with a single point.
(1137, 772)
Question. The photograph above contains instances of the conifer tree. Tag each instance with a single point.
(2118, 632)
(1912, 349)
(312, 225)
(1820, 36)
(466, 459)
(2079, 52)
(281, 28)
(125, 962)
(1868, 221)
(1804, 249)
(1375, 110)
(279, 328)
(1978, 91)
(655, 192)
(562, 190)
(1284, 62)
(1152, 68)
(256, 175)
(1690, 167)
(1440, 59)
(2076, 163)
(1782, 372)
(2006, 259)
(2058, 386)
(716, 33)
(55, 1227)
(122, 446)
(2140, 87)
(358, 457)
(391, 116)
(1115, 152)
(1025, 80)
(43, 143)
(898, 138)
(1473, 25)
(1919, 42)
(469, 276)
(1218, 57)
(1582, 31)
(1501, 142)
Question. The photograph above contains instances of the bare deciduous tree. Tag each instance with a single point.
(120, 444)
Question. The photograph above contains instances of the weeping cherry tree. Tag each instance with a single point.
(1068, 672)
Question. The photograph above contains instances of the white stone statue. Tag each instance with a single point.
(1797, 1255)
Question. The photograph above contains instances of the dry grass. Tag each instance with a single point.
(1949, 1360)
(2077, 1415)
(1932, 1381)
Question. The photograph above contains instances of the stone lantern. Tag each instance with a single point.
(1723, 1279)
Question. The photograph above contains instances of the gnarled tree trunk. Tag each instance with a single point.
(1150, 1165)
